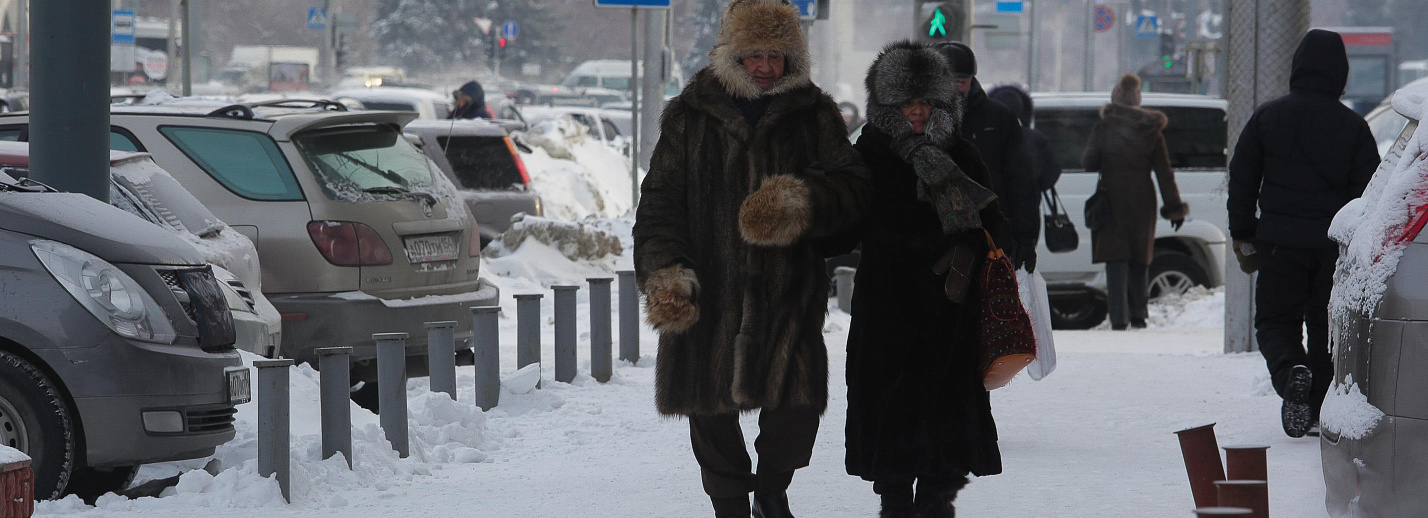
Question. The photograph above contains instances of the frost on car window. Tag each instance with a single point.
(368, 160)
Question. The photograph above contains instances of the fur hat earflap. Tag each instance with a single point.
(1127, 91)
(753, 25)
(904, 71)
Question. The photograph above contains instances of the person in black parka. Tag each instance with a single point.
(470, 102)
(1043, 159)
(917, 409)
(1300, 158)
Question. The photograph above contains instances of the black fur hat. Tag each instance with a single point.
(904, 71)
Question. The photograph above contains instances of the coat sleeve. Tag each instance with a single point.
(841, 190)
(1246, 176)
(1366, 161)
(1165, 178)
(1048, 170)
(661, 229)
(1024, 210)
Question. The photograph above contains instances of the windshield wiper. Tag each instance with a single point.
(387, 189)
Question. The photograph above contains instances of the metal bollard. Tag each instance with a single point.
(844, 283)
(528, 329)
(1210, 512)
(565, 333)
(441, 356)
(336, 398)
(1246, 463)
(392, 389)
(273, 423)
(486, 335)
(1202, 462)
(601, 367)
(629, 317)
(1249, 494)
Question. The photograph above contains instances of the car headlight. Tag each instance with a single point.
(106, 291)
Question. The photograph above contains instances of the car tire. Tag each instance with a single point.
(1077, 312)
(1174, 272)
(35, 419)
(91, 483)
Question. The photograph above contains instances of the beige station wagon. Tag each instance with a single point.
(356, 232)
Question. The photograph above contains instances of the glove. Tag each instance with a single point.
(907, 145)
(1176, 224)
(1247, 254)
(777, 214)
(1028, 262)
(670, 295)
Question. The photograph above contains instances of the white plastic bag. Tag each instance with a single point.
(1033, 297)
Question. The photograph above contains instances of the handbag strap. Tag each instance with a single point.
(993, 251)
(1053, 202)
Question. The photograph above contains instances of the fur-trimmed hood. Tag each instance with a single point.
(904, 71)
(1132, 122)
(753, 25)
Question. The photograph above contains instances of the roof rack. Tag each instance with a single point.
(245, 110)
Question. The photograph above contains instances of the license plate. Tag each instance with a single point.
(239, 391)
(427, 249)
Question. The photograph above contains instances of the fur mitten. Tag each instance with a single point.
(669, 299)
(777, 214)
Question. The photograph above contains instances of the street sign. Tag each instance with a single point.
(1147, 26)
(646, 4)
(807, 9)
(1001, 31)
(1009, 6)
(1105, 18)
(510, 29)
(121, 46)
(316, 18)
(121, 25)
(484, 24)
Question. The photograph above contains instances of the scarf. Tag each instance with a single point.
(957, 199)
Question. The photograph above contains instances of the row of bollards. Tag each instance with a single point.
(334, 362)
(1239, 487)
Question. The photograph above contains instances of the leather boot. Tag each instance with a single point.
(731, 507)
(772, 506)
(896, 495)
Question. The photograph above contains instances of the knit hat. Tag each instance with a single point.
(1127, 91)
(749, 26)
(904, 71)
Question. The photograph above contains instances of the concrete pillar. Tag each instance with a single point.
(565, 333)
(69, 96)
(392, 389)
(336, 398)
(273, 423)
(629, 317)
(486, 336)
(601, 362)
(844, 278)
(441, 356)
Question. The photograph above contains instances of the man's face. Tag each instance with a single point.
(765, 67)
(964, 83)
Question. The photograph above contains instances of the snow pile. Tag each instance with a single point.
(576, 241)
(1370, 228)
(576, 175)
(539, 253)
(1197, 308)
(1347, 412)
(10, 455)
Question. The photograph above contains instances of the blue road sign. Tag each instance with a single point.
(1103, 18)
(316, 18)
(807, 9)
(656, 4)
(1009, 6)
(1147, 26)
(121, 26)
(510, 29)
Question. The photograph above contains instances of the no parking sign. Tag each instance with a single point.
(1105, 18)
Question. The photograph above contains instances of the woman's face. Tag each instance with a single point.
(917, 111)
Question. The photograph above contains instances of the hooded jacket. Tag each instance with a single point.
(753, 336)
(477, 107)
(1301, 157)
(1043, 159)
(999, 138)
(1126, 146)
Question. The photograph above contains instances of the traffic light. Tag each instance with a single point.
(941, 20)
(1167, 50)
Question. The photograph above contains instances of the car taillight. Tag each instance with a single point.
(344, 243)
(520, 164)
(1415, 224)
(473, 247)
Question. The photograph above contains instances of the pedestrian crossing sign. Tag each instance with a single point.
(316, 18)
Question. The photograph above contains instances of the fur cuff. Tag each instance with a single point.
(669, 300)
(777, 214)
(1174, 212)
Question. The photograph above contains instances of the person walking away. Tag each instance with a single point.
(1126, 145)
(999, 138)
(1044, 165)
(917, 408)
(752, 164)
(470, 102)
(1300, 158)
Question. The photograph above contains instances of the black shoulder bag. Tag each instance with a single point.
(1060, 232)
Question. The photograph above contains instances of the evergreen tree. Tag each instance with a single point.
(703, 21)
(436, 34)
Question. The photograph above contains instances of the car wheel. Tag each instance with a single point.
(90, 483)
(35, 419)
(1173, 273)
(1077, 313)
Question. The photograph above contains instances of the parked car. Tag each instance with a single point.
(482, 161)
(1387, 124)
(603, 124)
(140, 187)
(356, 232)
(425, 103)
(614, 74)
(1374, 425)
(1197, 141)
(116, 345)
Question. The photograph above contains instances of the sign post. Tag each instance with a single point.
(634, 6)
(121, 47)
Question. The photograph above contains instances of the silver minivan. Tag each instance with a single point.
(1374, 423)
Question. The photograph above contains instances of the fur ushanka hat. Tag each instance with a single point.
(904, 71)
(753, 25)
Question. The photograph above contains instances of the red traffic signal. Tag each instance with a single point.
(502, 42)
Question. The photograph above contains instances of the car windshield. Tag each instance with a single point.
(1385, 125)
(371, 159)
(1195, 137)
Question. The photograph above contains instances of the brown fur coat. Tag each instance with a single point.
(1125, 147)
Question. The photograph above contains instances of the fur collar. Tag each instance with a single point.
(706, 93)
(904, 71)
(1139, 119)
(753, 25)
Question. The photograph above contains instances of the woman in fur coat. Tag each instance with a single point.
(917, 409)
(1125, 146)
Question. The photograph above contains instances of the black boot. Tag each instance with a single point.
(897, 498)
(772, 506)
(935, 496)
(1295, 414)
(732, 507)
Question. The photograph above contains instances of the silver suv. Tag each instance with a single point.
(357, 234)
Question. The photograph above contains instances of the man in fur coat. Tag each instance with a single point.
(752, 164)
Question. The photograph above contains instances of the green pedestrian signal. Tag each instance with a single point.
(1167, 61)
(938, 25)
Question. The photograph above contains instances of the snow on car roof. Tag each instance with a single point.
(1148, 99)
(1411, 100)
(390, 93)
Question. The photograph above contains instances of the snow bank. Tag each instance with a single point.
(576, 175)
(1197, 308)
(1347, 412)
(1370, 227)
(539, 253)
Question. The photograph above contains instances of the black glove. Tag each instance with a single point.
(1247, 254)
(1176, 224)
(1028, 263)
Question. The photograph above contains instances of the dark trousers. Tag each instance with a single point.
(1126, 293)
(1292, 295)
(785, 444)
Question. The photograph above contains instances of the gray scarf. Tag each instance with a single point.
(940, 181)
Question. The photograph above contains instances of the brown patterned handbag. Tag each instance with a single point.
(1008, 343)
